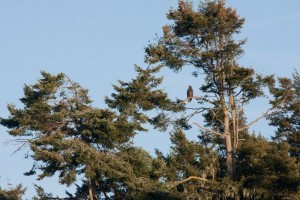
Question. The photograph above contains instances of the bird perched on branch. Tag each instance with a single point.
(190, 93)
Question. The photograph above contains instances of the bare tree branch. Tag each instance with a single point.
(208, 130)
(263, 115)
(18, 149)
(194, 97)
(199, 110)
(204, 99)
(174, 184)
(183, 101)
(256, 120)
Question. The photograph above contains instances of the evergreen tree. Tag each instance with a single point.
(266, 171)
(13, 193)
(134, 99)
(41, 194)
(191, 167)
(69, 136)
(205, 40)
(287, 117)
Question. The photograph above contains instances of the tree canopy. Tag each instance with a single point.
(69, 136)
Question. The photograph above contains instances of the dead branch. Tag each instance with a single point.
(199, 110)
(204, 99)
(263, 115)
(21, 140)
(20, 147)
(208, 130)
(174, 184)
(254, 121)
(194, 97)
(183, 101)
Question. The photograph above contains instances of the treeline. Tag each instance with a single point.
(70, 137)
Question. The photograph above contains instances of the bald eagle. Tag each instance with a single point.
(190, 93)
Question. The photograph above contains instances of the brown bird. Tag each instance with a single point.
(190, 93)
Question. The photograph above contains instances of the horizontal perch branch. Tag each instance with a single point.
(194, 97)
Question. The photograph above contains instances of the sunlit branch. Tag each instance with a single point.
(256, 120)
(263, 115)
(194, 97)
(208, 130)
(183, 101)
(174, 184)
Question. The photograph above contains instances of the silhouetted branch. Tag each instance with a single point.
(20, 147)
(194, 97)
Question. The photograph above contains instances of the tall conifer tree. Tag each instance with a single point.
(69, 136)
(287, 118)
(205, 40)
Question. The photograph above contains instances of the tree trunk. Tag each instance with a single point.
(234, 129)
(227, 132)
(90, 190)
(228, 144)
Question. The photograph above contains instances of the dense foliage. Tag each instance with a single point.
(15, 193)
(70, 137)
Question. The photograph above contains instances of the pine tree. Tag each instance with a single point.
(287, 117)
(266, 171)
(68, 136)
(191, 168)
(205, 40)
(134, 99)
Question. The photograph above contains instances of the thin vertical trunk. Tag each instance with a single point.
(234, 130)
(91, 197)
(228, 144)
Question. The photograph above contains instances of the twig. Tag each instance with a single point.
(199, 110)
(203, 108)
(16, 140)
(18, 148)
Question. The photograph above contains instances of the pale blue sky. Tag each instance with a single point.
(96, 42)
